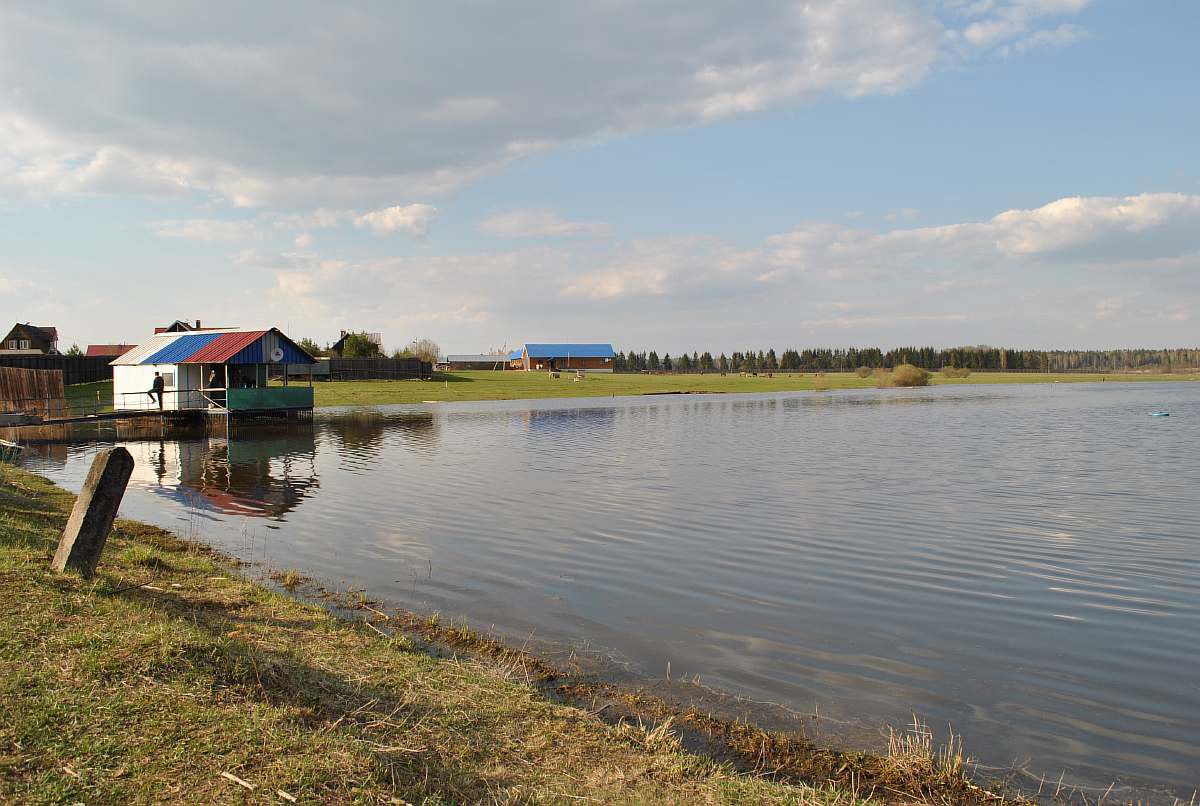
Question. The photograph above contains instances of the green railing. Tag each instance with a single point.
(271, 397)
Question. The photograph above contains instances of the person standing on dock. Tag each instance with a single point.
(156, 388)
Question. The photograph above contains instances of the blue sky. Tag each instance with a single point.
(667, 174)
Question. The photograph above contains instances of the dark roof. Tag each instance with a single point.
(44, 333)
(180, 326)
(572, 350)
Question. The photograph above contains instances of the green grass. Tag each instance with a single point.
(464, 386)
(90, 398)
(168, 669)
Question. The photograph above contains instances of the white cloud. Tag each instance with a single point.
(350, 107)
(1005, 21)
(1095, 231)
(204, 229)
(464, 109)
(692, 268)
(321, 218)
(303, 240)
(1109, 308)
(538, 224)
(847, 322)
(413, 219)
(1060, 37)
(9, 285)
(1057, 271)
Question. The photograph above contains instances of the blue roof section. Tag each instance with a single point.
(514, 355)
(572, 350)
(256, 353)
(182, 348)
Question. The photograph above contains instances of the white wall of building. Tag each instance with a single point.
(131, 383)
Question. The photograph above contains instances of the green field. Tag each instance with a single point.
(169, 672)
(483, 385)
(461, 386)
(89, 398)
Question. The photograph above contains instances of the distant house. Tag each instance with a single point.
(108, 350)
(516, 359)
(453, 362)
(30, 339)
(339, 346)
(180, 326)
(586, 357)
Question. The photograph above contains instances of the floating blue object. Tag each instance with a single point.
(1160, 414)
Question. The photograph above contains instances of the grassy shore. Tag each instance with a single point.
(171, 678)
(465, 386)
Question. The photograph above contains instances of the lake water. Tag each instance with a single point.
(1018, 562)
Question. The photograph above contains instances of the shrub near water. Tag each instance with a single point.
(960, 372)
(863, 372)
(903, 375)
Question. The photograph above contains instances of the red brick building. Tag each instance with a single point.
(567, 357)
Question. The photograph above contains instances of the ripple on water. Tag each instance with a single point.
(1019, 562)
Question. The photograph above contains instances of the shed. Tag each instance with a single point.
(586, 357)
(211, 369)
(480, 361)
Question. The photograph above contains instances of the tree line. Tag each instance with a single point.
(361, 345)
(848, 359)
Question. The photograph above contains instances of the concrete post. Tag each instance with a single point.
(95, 508)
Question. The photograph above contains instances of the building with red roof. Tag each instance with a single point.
(108, 350)
(223, 370)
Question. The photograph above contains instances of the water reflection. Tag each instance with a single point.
(268, 474)
(361, 435)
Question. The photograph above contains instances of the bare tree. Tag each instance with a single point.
(425, 349)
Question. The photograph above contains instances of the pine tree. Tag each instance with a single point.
(770, 363)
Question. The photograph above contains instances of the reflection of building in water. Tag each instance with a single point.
(359, 435)
(54, 453)
(266, 476)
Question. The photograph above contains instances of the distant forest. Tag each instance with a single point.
(976, 358)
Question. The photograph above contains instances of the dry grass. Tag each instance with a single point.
(902, 375)
(288, 580)
(956, 372)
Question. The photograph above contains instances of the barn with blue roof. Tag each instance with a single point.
(574, 357)
(217, 370)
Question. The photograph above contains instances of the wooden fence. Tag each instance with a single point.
(32, 391)
(361, 369)
(74, 369)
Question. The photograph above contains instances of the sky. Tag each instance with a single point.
(659, 174)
